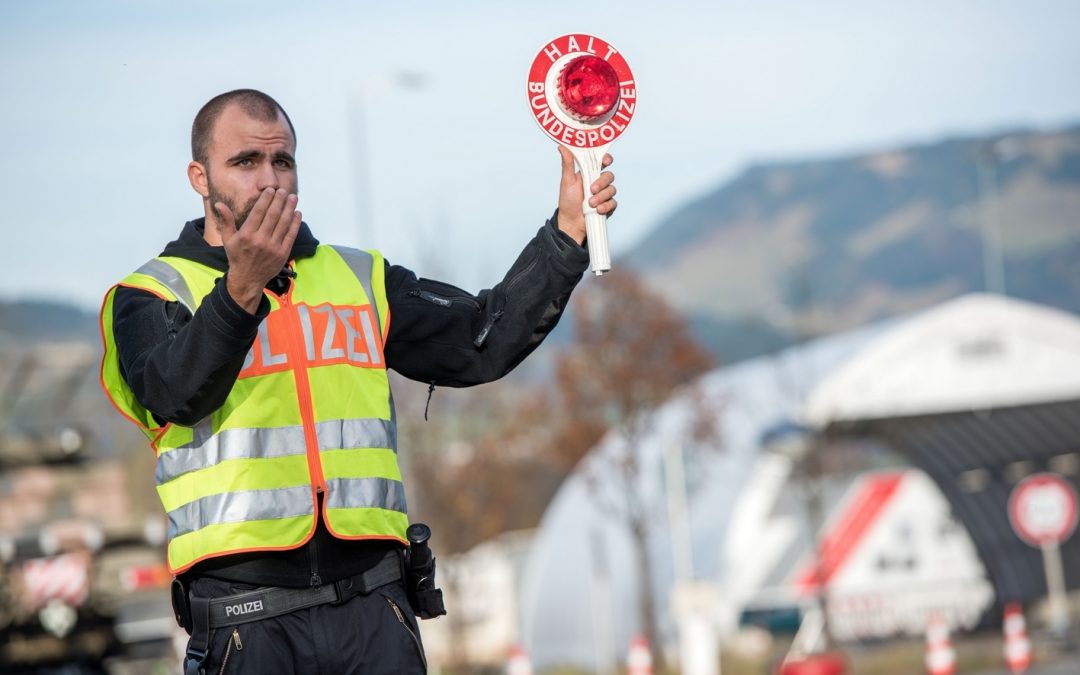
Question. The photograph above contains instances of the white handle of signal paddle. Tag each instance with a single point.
(588, 161)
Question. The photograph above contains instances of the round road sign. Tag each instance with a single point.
(1043, 509)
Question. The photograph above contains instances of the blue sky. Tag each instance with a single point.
(414, 132)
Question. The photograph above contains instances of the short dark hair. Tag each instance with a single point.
(256, 104)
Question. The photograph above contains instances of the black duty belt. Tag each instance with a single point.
(265, 603)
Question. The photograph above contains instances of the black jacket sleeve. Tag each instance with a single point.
(443, 335)
(182, 367)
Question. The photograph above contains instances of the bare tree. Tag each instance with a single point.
(489, 459)
(630, 354)
(475, 466)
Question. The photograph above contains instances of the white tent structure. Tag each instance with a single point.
(976, 353)
(979, 393)
(979, 352)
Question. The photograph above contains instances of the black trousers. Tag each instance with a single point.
(373, 633)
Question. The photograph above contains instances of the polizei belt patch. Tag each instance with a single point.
(242, 608)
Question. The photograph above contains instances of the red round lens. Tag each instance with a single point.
(588, 88)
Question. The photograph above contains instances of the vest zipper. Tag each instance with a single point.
(303, 393)
(316, 580)
(313, 554)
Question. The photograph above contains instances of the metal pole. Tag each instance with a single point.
(1055, 589)
(363, 194)
(993, 253)
(678, 514)
(604, 655)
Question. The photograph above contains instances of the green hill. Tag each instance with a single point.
(26, 322)
(791, 250)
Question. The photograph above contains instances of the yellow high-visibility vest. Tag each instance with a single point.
(310, 412)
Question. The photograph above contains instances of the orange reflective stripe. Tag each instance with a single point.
(303, 388)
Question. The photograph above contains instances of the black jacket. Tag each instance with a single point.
(181, 366)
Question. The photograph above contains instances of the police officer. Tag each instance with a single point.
(255, 360)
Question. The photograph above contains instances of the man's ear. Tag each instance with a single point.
(199, 179)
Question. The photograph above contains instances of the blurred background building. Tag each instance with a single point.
(82, 577)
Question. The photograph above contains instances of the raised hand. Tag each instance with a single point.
(260, 247)
(572, 196)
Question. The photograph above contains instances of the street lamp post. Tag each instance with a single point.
(358, 107)
(986, 165)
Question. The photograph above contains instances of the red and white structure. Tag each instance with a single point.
(940, 655)
(582, 94)
(64, 577)
(639, 658)
(518, 663)
(889, 557)
(1017, 645)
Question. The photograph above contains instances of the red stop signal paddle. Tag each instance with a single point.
(582, 94)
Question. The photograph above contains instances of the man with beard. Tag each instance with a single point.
(255, 360)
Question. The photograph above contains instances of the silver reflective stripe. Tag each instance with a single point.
(236, 507)
(365, 433)
(351, 493)
(269, 358)
(309, 335)
(360, 262)
(171, 279)
(208, 450)
(350, 337)
(369, 336)
(329, 351)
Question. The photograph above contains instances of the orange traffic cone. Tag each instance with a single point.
(940, 657)
(1017, 645)
(519, 663)
(639, 659)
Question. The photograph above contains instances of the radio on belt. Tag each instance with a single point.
(583, 95)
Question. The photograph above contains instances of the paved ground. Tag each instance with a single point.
(1070, 666)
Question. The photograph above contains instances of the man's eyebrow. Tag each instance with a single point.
(245, 154)
(281, 154)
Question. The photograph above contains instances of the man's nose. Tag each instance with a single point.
(268, 178)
